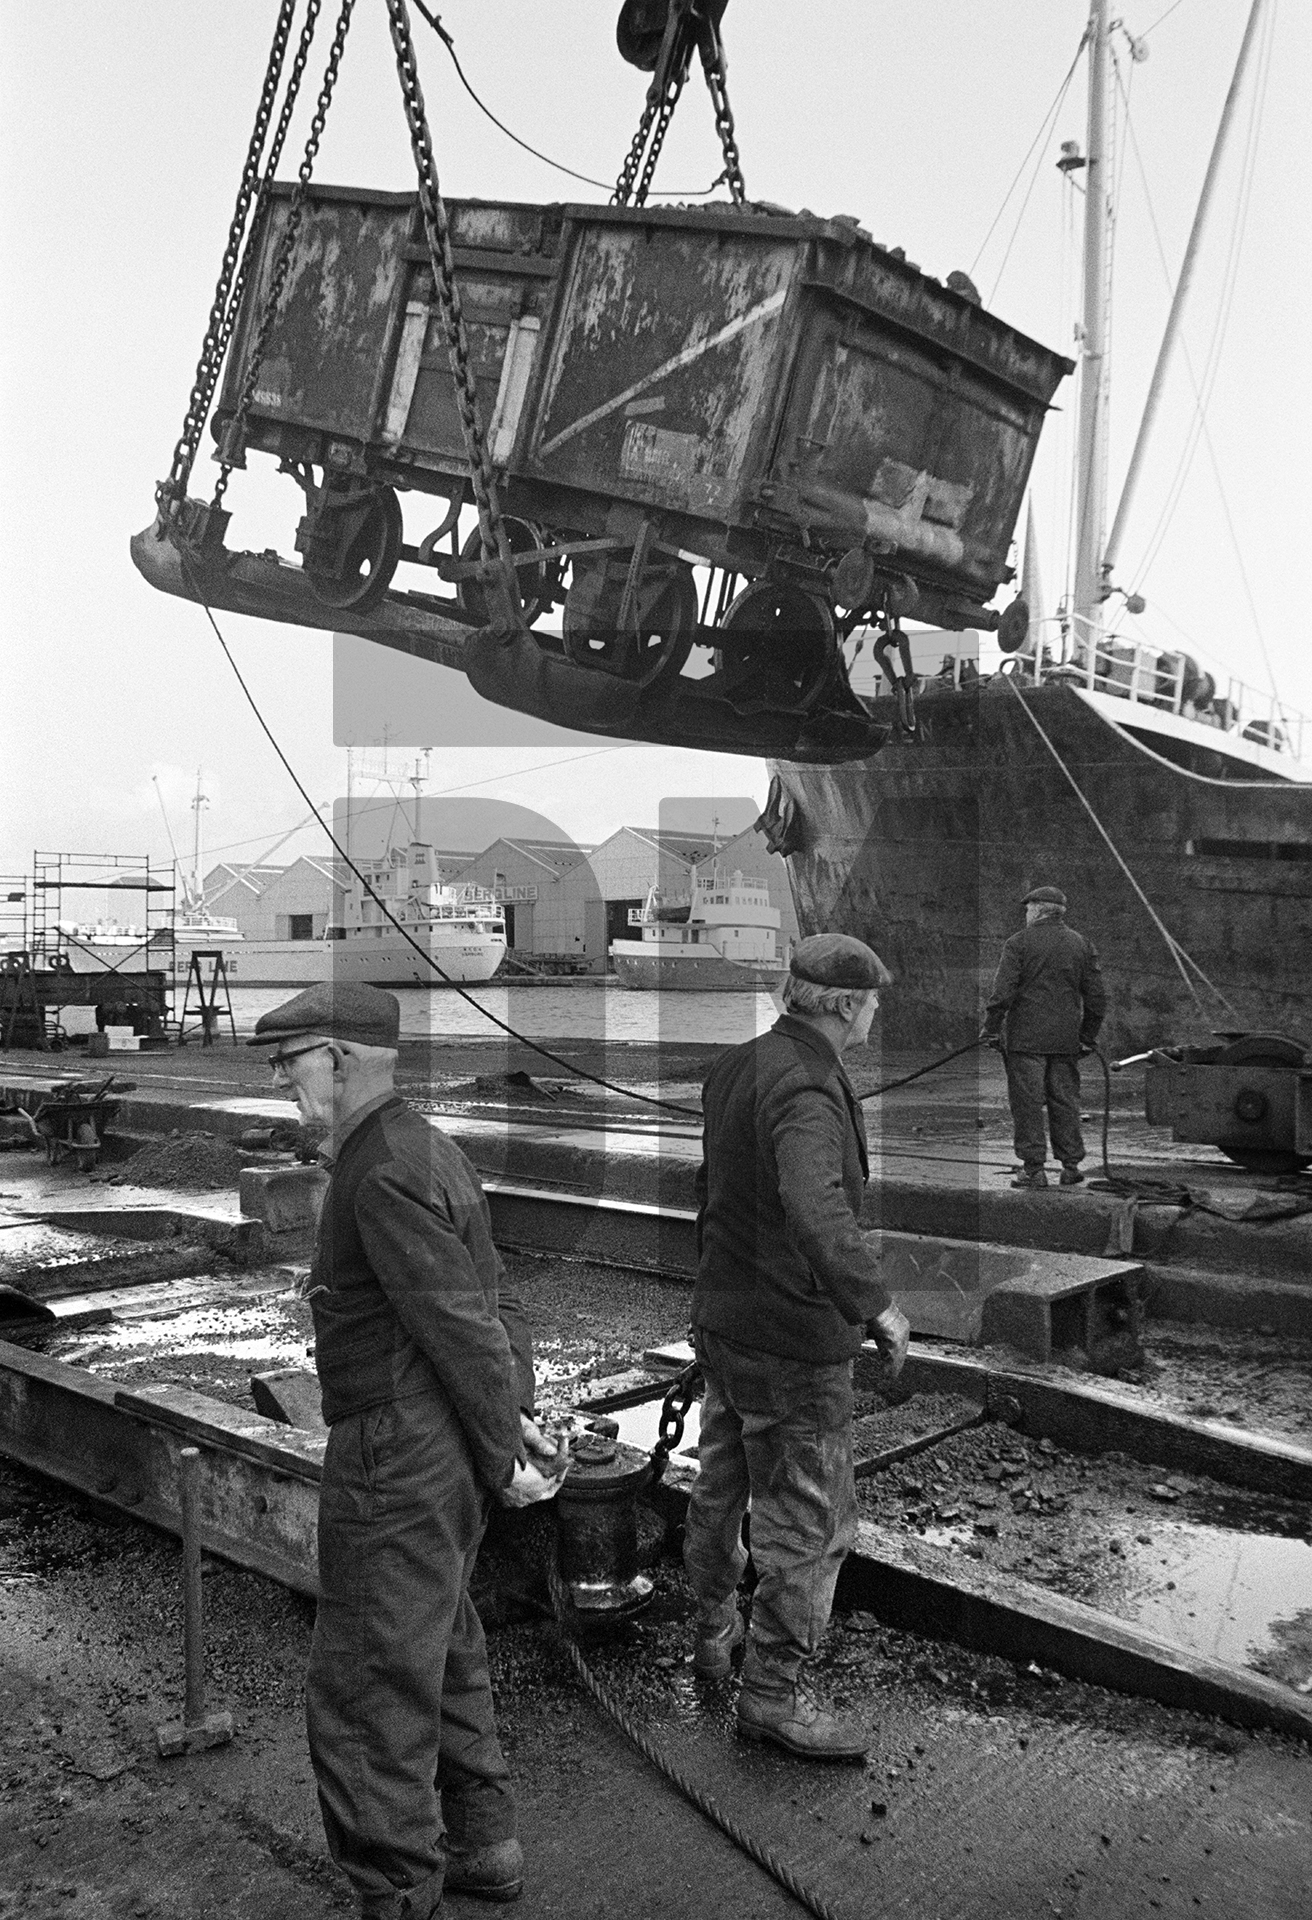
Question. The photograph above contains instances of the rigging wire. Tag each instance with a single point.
(1158, 21)
(647, 1099)
(1176, 951)
(1034, 180)
(1041, 135)
(668, 193)
(1211, 367)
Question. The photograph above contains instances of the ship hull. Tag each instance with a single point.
(386, 961)
(698, 973)
(926, 850)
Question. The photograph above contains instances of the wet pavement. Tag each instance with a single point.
(1219, 1571)
(991, 1792)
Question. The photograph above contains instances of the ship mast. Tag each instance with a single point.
(1181, 295)
(197, 885)
(1091, 444)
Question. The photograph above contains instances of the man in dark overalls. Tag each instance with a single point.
(427, 1379)
(788, 1287)
(1049, 993)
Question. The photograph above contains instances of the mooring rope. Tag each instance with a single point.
(1173, 946)
(747, 1843)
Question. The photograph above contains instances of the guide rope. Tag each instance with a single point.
(747, 1843)
(443, 33)
(597, 1080)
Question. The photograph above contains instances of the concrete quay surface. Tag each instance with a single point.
(992, 1789)
(990, 1793)
(941, 1157)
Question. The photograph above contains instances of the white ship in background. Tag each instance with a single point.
(462, 930)
(722, 935)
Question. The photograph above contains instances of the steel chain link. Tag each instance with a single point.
(287, 240)
(266, 187)
(437, 232)
(632, 187)
(624, 186)
(184, 454)
(665, 113)
(717, 79)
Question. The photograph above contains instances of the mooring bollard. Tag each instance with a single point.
(196, 1729)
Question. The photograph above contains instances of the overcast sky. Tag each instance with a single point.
(123, 132)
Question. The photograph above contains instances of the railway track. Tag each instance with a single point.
(118, 1443)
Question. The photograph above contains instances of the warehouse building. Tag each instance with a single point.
(589, 904)
(520, 873)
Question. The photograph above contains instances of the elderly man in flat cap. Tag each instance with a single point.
(788, 1287)
(424, 1362)
(1049, 996)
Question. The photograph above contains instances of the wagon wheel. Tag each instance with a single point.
(657, 643)
(778, 647)
(1265, 1050)
(371, 547)
(537, 585)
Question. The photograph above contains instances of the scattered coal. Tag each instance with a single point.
(194, 1161)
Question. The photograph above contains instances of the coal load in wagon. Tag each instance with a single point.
(774, 397)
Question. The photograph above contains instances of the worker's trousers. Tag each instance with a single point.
(776, 1435)
(398, 1700)
(1039, 1082)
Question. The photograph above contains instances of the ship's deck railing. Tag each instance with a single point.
(1174, 683)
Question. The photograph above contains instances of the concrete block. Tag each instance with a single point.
(1090, 1319)
(286, 1199)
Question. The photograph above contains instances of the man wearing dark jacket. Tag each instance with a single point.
(787, 1289)
(1048, 992)
(427, 1379)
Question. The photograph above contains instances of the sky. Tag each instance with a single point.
(122, 133)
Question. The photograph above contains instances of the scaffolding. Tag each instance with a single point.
(51, 957)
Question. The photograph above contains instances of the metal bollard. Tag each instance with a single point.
(196, 1730)
(597, 1530)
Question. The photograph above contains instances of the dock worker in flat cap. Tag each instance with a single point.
(1045, 1009)
(788, 1287)
(424, 1363)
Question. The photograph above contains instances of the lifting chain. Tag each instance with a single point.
(689, 24)
(716, 69)
(266, 186)
(502, 593)
(174, 488)
(277, 280)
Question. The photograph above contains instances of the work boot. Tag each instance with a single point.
(494, 1872)
(794, 1721)
(713, 1649)
(1030, 1177)
(1071, 1177)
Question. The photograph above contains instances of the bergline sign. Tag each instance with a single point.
(504, 896)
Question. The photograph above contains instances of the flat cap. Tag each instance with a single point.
(838, 960)
(364, 1015)
(1044, 897)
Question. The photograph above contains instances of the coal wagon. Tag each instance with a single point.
(833, 435)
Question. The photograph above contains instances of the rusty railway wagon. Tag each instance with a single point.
(774, 397)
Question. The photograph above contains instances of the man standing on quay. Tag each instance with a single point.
(787, 1289)
(427, 1380)
(1049, 991)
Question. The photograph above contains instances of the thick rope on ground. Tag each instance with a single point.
(755, 1850)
